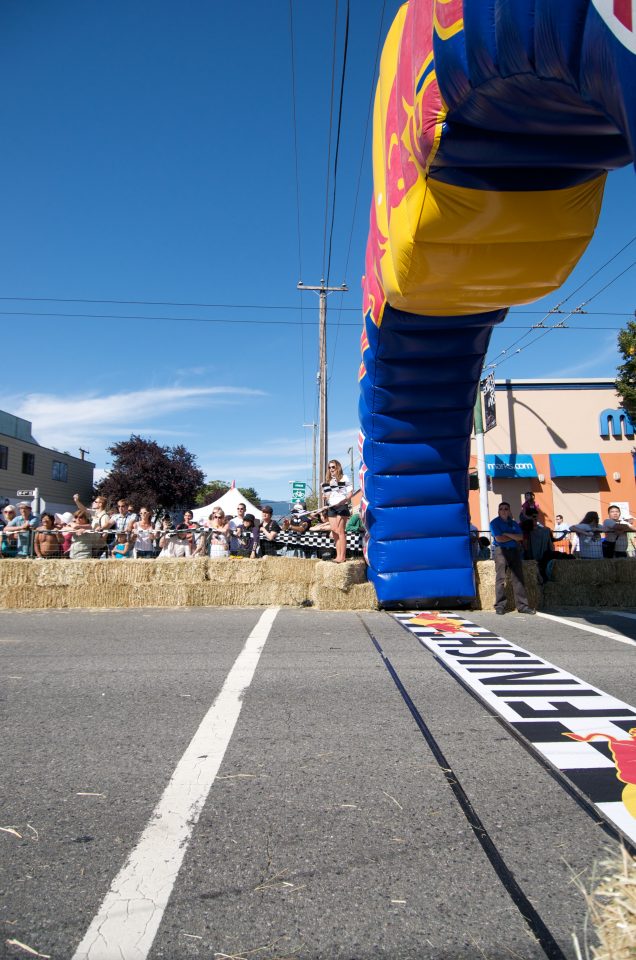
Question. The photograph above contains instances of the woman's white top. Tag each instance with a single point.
(337, 491)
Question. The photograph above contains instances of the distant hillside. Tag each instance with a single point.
(279, 507)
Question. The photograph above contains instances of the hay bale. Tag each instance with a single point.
(484, 585)
(236, 595)
(268, 570)
(340, 576)
(25, 597)
(611, 904)
(14, 573)
(568, 595)
(613, 595)
(575, 572)
(359, 596)
(624, 570)
(289, 569)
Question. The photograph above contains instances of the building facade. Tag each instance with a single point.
(26, 465)
(567, 441)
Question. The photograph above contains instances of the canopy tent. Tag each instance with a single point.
(228, 503)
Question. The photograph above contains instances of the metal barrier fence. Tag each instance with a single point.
(86, 543)
(195, 541)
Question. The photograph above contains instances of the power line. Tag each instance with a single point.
(556, 326)
(295, 126)
(266, 306)
(259, 322)
(557, 309)
(300, 260)
(338, 128)
(360, 169)
(333, 80)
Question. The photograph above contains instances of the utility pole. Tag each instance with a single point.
(322, 292)
(353, 479)
(313, 460)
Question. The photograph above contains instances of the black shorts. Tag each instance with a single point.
(340, 510)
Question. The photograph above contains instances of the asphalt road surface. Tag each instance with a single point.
(234, 783)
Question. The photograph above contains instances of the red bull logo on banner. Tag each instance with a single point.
(556, 713)
(440, 623)
(624, 757)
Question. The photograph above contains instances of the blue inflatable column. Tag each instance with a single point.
(416, 413)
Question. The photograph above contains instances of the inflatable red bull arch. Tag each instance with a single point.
(495, 124)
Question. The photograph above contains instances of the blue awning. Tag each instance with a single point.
(510, 465)
(576, 465)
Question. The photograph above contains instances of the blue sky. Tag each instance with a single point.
(148, 156)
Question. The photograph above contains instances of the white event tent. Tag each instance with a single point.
(227, 503)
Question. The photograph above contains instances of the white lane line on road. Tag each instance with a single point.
(588, 628)
(128, 919)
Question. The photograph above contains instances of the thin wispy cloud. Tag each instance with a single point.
(278, 459)
(68, 420)
(597, 361)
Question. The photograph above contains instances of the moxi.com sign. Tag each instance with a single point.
(510, 466)
(616, 422)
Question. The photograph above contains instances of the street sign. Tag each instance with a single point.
(299, 488)
(25, 493)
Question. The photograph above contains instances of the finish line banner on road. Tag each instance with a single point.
(586, 734)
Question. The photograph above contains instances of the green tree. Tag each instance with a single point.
(145, 473)
(211, 491)
(626, 379)
(250, 494)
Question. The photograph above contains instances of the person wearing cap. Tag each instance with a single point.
(246, 535)
(298, 523)
(8, 544)
(22, 528)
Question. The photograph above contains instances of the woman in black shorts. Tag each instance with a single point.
(336, 493)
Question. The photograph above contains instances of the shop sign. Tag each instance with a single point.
(510, 465)
(616, 422)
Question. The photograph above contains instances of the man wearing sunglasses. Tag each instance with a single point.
(507, 540)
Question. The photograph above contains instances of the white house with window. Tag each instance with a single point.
(26, 465)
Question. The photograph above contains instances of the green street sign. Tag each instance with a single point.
(298, 490)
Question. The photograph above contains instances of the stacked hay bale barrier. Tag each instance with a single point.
(343, 586)
(591, 583)
(280, 581)
(42, 584)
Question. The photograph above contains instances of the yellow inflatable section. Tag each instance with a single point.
(451, 250)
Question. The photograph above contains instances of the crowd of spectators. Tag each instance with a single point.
(589, 539)
(125, 532)
(98, 533)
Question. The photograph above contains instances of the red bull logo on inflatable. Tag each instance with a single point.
(372, 291)
(449, 18)
(620, 17)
